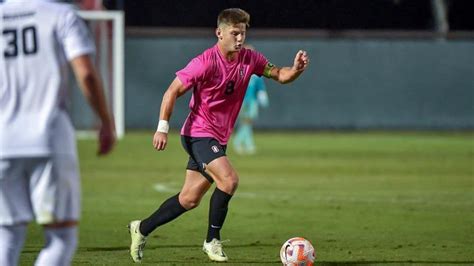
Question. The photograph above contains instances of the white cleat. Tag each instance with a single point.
(214, 250)
(138, 241)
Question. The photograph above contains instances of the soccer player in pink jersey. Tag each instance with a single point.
(218, 79)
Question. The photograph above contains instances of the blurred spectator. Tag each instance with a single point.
(255, 97)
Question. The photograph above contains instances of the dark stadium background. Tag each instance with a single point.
(376, 64)
(318, 14)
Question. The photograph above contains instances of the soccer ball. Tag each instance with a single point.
(297, 251)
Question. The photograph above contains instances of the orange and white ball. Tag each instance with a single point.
(297, 251)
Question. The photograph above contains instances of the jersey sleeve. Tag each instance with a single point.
(75, 36)
(193, 73)
(260, 62)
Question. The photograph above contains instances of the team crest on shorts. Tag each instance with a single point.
(215, 149)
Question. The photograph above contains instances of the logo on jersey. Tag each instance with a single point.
(241, 72)
(215, 149)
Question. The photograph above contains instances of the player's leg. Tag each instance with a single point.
(12, 238)
(60, 244)
(239, 138)
(241, 133)
(226, 183)
(207, 152)
(248, 142)
(15, 209)
(55, 198)
(227, 180)
(251, 149)
(252, 115)
(194, 188)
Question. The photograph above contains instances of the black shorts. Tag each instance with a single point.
(201, 152)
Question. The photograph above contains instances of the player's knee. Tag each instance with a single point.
(189, 202)
(61, 244)
(230, 183)
(11, 243)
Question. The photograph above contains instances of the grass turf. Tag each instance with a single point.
(361, 198)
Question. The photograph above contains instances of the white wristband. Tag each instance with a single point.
(163, 126)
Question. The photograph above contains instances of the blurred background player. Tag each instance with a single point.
(218, 78)
(39, 174)
(255, 96)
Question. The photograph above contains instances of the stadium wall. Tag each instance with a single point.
(350, 84)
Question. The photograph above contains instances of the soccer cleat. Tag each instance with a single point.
(138, 241)
(214, 250)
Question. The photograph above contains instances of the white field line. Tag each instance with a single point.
(160, 187)
(163, 187)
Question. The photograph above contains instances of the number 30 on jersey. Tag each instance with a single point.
(18, 41)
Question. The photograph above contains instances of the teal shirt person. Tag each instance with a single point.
(255, 97)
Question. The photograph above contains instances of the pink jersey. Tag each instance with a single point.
(219, 89)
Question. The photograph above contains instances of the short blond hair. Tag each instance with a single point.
(232, 16)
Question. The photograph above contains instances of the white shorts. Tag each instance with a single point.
(43, 188)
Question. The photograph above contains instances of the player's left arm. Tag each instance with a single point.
(288, 74)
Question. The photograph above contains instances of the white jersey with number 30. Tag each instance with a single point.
(37, 40)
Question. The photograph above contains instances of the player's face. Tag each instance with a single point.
(232, 37)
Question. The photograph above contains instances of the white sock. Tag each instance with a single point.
(12, 239)
(60, 246)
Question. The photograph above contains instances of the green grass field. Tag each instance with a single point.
(361, 198)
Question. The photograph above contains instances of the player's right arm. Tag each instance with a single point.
(91, 86)
(175, 90)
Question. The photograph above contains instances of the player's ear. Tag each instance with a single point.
(219, 33)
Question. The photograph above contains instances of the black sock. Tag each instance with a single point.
(217, 212)
(168, 211)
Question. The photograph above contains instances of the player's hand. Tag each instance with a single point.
(106, 139)
(160, 140)
(301, 61)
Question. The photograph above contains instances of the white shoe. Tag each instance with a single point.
(138, 241)
(214, 250)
